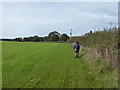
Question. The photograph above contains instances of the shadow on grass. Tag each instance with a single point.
(82, 55)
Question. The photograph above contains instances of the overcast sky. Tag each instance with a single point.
(38, 18)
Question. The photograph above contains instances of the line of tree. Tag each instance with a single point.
(7, 39)
(52, 36)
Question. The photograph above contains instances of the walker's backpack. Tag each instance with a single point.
(77, 46)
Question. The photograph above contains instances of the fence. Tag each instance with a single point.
(111, 58)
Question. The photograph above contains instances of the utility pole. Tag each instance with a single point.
(94, 30)
(71, 33)
(110, 25)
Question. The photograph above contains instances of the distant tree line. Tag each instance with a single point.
(52, 36)
(7, 39)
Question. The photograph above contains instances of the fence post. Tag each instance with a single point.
(96, 53)
(106, 53)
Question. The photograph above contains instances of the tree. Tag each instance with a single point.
(45, 38)
(64, 37)
(36, 38)
(53, 36)
(33, 38)
(91, 31)
(18, 39)
(41, 38)
(26, 39)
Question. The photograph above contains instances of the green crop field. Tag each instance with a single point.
(49, 65)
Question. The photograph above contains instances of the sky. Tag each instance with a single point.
(24, 19)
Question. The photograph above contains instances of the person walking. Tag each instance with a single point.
(76, 49)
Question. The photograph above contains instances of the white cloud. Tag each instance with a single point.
(41, 18)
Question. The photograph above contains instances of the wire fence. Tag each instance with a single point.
(111, 58)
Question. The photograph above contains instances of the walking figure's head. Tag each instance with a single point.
(77, 42)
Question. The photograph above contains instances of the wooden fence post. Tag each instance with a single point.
(106, 57)
(96, 53)
(106, 53)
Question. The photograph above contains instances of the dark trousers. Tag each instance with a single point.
(76, 53)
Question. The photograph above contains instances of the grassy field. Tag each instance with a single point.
(50, 65)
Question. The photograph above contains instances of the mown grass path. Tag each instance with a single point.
(44, 65)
